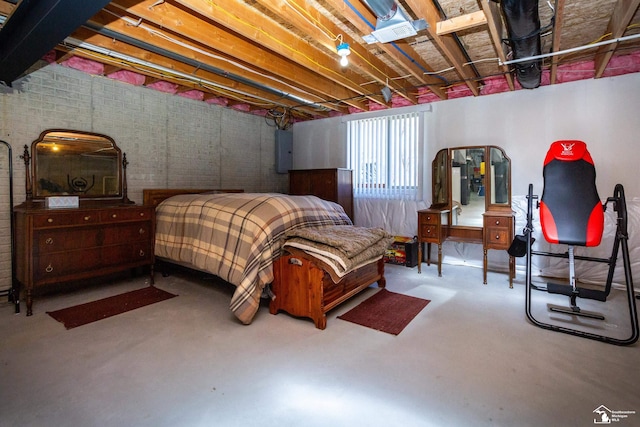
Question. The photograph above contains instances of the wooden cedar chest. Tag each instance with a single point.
(302, 288)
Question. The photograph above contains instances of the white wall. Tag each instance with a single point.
(601, 112)
(604, 113)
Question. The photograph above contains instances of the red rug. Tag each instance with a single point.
(386, 311)
(82, 314)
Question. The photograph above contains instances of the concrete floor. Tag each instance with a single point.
(470, 358)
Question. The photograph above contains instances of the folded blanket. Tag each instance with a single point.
(344, 248)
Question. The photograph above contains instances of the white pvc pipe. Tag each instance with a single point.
(573, 49)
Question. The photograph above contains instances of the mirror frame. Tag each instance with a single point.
(33, 177)
(447, 204)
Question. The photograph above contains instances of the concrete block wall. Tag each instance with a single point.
(170, 141)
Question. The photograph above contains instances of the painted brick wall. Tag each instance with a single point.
(170, 141)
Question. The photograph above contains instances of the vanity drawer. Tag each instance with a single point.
(498, 237)
(67, 218)
(429, 218)
(429, 233)
(498, 232)
(498, 221)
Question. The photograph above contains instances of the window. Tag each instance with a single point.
(383, 154)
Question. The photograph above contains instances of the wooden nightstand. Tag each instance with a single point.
(498, 234)
(432, 228)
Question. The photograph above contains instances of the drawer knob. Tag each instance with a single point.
(141, 253)
(497, 237)
(114, 215)
(49, 220)
(87, 218)
(49, 268)
(141, 213)
(49, 241)
(141, 231)
(497, 222)
(428, 218)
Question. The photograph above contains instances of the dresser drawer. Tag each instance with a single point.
(67, 218)
(60, 240)
(126, 233)
(49, 268)
(126, 214)
(133, 254)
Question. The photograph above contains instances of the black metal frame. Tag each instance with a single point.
(13, 293)
(621, 240)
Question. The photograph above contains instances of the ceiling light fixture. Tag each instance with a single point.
(343, 50)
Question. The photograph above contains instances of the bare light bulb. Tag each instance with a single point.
(344, 61)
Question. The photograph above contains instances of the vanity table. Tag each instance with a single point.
(471, 188)
(96, 231)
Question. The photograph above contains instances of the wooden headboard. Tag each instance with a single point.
(153, 196)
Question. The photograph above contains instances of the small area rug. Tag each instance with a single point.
(82, 314)
(386, 311)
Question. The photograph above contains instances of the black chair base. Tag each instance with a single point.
(574, 292)
(575, 311)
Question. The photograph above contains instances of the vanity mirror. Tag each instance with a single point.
(471, 201)
(84, 164)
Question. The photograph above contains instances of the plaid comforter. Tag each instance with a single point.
(237, 236)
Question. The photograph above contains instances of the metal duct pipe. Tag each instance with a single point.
(383, 9)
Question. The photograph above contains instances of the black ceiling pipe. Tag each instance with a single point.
(35, 27)
(523, 26)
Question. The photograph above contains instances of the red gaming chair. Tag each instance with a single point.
(572, 214)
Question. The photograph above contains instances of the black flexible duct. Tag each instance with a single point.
(523, 26)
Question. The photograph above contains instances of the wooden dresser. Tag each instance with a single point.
(64, 245)
(334, 185)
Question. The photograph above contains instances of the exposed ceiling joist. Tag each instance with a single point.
(264, 55)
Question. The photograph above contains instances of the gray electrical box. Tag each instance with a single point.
(284, 151)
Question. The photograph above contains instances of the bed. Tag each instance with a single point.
(236, 236)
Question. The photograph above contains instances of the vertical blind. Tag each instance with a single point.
(383, 154)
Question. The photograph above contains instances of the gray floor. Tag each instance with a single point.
(470, 358)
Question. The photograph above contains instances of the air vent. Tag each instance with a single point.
(395, 26)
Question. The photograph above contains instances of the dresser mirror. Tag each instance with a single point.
(468, 181)
(84, 164)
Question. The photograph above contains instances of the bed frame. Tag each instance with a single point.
(153, 196)
(302, 288)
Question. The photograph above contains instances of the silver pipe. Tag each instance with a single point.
(570, 50)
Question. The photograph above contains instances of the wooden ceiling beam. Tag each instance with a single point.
(558, 23)
(6, 8)
(427, 10)
(622, 15)
(496, 31)
(204, 80)
(462, 22)
(309, 20)
(246, 21)
(257, 64)
(402, 53)
(178, 45)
